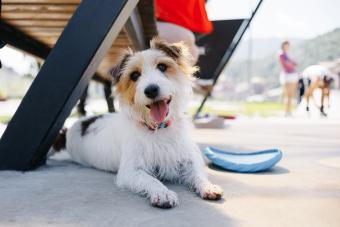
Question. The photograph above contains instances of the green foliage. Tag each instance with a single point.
(264, 109)
(5, 119)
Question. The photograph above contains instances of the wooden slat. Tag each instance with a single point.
(41, 1)
(50, 41)
(35, 16)
(41, 34)
(42, 29)
(40, 23)
(24, 8)
(45, 20)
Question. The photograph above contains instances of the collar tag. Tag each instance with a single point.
(161, 125)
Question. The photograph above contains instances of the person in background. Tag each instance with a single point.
(288, 78)
(177, 21)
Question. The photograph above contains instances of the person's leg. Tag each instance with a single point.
(309, 92)
(324, 91)
(291, 94)
(174, 33)
(327, 95)
(284, 98)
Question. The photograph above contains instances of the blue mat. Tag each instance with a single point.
(245, 162)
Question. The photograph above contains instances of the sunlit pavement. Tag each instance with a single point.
(302, 190)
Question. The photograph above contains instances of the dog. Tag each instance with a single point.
(313, 77)
(149, 140)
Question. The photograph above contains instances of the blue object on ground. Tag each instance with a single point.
(246, 162)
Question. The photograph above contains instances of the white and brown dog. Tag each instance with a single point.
(149, 140)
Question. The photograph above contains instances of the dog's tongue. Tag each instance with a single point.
(159, 110)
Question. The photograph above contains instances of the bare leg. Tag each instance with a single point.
(290, 94)
(327, 95)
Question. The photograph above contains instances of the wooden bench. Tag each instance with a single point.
(43, 21)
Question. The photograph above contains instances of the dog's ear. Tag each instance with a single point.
(177, 51)
(117, 70)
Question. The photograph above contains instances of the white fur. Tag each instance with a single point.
(119, 143)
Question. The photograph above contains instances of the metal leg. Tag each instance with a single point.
(82, 102)
(107, 85)
(109, 98)
(228, 55)
(61, 81)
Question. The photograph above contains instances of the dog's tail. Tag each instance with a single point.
(59, 142)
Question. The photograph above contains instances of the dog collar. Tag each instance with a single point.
(154, 127)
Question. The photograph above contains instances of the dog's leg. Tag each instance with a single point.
(196, 178)
(139, 181)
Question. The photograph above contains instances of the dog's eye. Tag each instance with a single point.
(162, 67)
(135, 75)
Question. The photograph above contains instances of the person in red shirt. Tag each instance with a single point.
(178, 19)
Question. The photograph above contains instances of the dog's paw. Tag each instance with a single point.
(164, 199)
(211, 192)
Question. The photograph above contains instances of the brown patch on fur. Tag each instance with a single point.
(60, 141)
(178, 52)
(171, 65)
(117, 71)
(172, 50)
(127, 89)
(86, 124)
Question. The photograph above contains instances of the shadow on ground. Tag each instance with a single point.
(63, 193)
(276, 170)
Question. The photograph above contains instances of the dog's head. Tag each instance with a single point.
(154, 84)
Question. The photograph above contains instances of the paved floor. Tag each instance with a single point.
(303, 190)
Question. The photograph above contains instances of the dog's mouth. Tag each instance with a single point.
(159, 109)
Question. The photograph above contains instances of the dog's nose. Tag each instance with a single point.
(151, 91)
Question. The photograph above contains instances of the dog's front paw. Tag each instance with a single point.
(211, 192)
(164, 199)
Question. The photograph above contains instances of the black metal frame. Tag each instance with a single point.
(135, 32)
(228, 54)
(16, 38)
(61, 81)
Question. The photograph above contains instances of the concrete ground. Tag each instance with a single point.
(302, 190)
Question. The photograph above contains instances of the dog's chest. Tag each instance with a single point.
(168, 159)
(178, 171)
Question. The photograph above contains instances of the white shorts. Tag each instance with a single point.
(288, 78)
